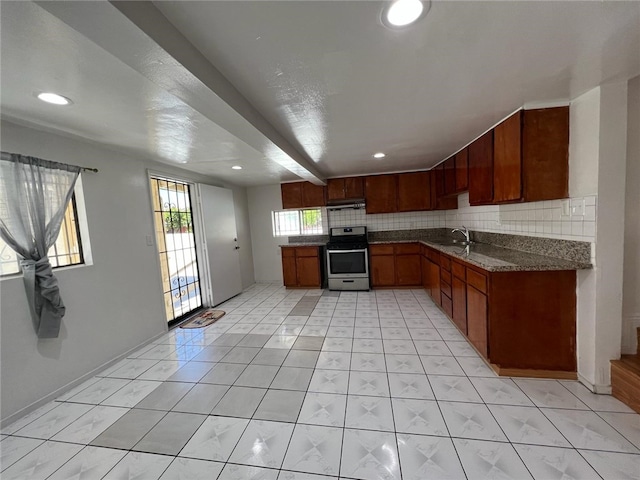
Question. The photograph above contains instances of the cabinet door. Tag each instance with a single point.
(408, 270)
(462, 171)
(434, 282)
(481, 170)
(545, 154)
(291, 195)
(414, 192)
(459, 299)
(380, 193)
(313, 195)
(424, 263)
(308, 270)
(450, 176)
(438, 202)
(507, 160)
(336, 189)
(354, 187)
(289, 275)
(477, 322)
(383, 270)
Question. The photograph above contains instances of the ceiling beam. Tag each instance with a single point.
(158, 50)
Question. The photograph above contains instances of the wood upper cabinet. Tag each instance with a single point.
(381, 192)
(302, 195)
(414, 191)
(481, 170)
(291, 195)
(450, 176)
(438, 200)
(531, 156)
(345, 188)
(301, 267)
(507, 160)
(462, 170)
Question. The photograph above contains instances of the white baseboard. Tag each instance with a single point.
(594, 387)
(56, 393)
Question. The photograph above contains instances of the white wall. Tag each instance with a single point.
(267, 263)
(112, 305)
(631, 279)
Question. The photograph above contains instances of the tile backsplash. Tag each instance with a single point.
(570, 219)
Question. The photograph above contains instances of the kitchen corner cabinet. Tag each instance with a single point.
(301, 267)
(395, 265)
(414, 191)
(302, 195)
(462, 170)
(523, 323)
(450, 176)
(438, 200)
(531, 156)
(345, 188)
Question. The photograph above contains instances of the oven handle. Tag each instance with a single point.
(360, 250)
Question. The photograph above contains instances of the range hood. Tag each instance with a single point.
(348, 204)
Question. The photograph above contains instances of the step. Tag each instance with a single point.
(625, 380)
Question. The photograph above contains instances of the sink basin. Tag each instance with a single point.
(455, 243)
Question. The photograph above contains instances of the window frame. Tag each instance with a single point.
(299, 231)
(53, 251)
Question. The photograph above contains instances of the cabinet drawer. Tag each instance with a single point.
(445, 288)
(445, 263)
(458, 270)
(447, 305)
(381, 249)
(288, 252)
(445, 276)
(306, 251)
(406, 248)
(477, 280)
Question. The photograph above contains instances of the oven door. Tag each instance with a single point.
(347, 263)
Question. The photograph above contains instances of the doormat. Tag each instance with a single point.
(203, 319)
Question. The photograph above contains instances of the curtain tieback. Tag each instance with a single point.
(38, 275)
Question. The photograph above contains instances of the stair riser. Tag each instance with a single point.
(625, 386)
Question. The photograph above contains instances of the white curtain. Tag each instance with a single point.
(34, 195)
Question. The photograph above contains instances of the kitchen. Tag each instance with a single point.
(598, 82)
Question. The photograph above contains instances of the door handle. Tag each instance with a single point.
(237, 248)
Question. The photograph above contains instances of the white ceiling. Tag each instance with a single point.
(299, 88)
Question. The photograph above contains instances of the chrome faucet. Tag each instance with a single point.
(465, 232)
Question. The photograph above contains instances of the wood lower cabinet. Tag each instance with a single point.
(477, 321)
(301, 267)
(395, 265)
(524, 323)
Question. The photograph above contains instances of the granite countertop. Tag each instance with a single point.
(497, 259)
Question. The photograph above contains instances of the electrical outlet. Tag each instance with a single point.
(566, 208)
(577, 207)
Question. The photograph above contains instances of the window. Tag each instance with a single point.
(66, 251)
(297, 222)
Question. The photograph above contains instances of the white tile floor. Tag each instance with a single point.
(375, 385)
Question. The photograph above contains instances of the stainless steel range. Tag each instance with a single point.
(348, 259)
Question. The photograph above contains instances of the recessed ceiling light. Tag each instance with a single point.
(379, 155)
(236, 167)
(54, 98)
(401, 13)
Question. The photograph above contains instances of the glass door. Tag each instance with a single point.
(173, 221)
